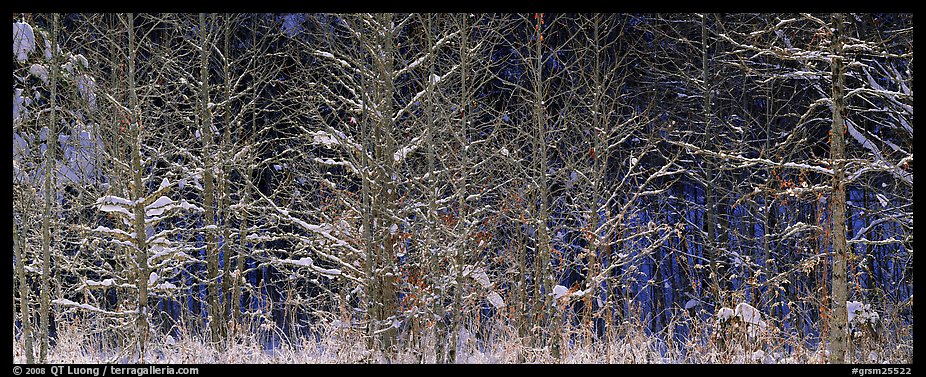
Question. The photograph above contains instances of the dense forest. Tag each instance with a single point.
(462, 188)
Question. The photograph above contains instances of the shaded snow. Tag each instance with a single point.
(692, 303)
(23, 40)
(306, 261)
(87, 88)
(496, 300)
(115, 200)
(104, 283)
(159, 206)
(324, 138)
(749, 314)
(39, 71)
(165, 286)
(724, 314)
(861, 313)
(66, 302)
(327, 271)
(18, 102)
(106, 207)
(852, 307)
(480, 276)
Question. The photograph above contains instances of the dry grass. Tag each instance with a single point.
(707, 341)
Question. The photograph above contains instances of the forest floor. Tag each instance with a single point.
(74, 345)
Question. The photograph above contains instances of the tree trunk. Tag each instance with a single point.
(212, 253)
(544, 282)
(225, 182)
(23, 293)
(372, 286)
(459, 252)
(599, 163)
(239, 277)
(138, 192)
(51, 170)
(387, 195)
(711, 249)
(433, 259)
(838, 317)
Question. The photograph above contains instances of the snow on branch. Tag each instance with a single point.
(308, 262)
(66, 302)
(433, 81)
(761, 161)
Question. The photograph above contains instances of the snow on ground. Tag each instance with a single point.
(340, 342)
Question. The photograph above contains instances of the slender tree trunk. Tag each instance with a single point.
(212, 254)
(433, 260)
(523, 300)
(225, 181)
(50, 194)
(138, 192)
(838, 317)
(387, 195)
(239, 277)
(461, 136)
(372, 282)
(710, 246)
(23, 292)
(543, 270)
(600, 139)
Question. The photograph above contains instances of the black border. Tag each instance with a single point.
(352, 6)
